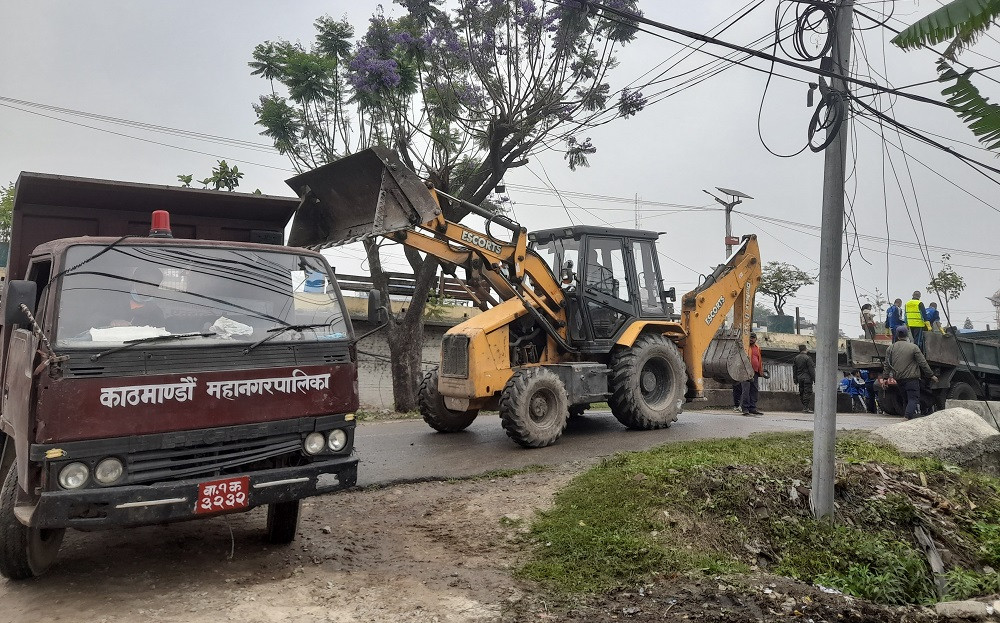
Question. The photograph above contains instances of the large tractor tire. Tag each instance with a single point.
(891, 401)
(24, 552)
(534, 407)
(962, 391)
(648, 383)
(283, 521)
(435, 413)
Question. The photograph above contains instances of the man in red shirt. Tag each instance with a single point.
(748, 402)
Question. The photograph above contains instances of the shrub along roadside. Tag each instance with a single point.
(735, 506)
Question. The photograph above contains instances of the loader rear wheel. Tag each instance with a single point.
(24, 552)
(435, 413)
(534, 407)
(648, 382)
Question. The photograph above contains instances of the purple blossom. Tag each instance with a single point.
(368, 73)
(631, 102)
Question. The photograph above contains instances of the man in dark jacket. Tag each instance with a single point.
(804, 371)
(908, 365)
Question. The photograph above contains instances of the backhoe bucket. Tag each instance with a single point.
(726, 359)
(370, 193)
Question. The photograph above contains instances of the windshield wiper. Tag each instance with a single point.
(146, 340)
(275, 332)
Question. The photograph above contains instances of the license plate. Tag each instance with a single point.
(223, 495)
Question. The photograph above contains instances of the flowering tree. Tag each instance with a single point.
(462, 95)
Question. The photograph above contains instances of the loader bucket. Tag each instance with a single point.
(726, 358)
(370, 193)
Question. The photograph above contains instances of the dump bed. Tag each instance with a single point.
(977, 352)
(50, 207)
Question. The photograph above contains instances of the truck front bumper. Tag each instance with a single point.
(137, 505)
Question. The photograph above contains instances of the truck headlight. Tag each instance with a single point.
(108, 471)
(73, 476)
(337, 440)
(314, 443)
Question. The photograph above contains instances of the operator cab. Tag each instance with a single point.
(610, 276)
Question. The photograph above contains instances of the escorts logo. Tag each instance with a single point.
(715, 310)
(481, 242)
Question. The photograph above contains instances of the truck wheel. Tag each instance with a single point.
(435, 413)
(282, 521)
(890, 401)
(24, 552)
(534, 407)
(962, 391)
(648, 382)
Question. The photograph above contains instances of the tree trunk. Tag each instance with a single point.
(405, 330)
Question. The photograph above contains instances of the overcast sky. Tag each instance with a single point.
(184, 65)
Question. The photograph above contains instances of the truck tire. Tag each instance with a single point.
(435, 413)
(648, 383)
(890, 401)
(283, 521)
(24, 552)
(962, 391)
(534, 407)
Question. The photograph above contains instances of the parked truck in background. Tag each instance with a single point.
(967, 366)
(150, 377)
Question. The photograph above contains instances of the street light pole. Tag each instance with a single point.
(736, 198)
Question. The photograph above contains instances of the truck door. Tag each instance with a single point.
(18, 385)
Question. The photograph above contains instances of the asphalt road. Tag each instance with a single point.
(409, 450)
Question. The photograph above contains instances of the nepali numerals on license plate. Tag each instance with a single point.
(223, 495)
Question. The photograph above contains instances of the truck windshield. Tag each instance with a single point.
(115, 295)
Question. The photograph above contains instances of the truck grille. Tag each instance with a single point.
(209, 459)
(455, 356)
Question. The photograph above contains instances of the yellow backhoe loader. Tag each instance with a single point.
(573, 315)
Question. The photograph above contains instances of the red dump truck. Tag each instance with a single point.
(164, 371)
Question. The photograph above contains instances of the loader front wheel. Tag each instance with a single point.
(648, 382)
(435, 413)
(534, 407)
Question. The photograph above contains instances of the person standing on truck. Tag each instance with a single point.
(868, 321)
(916, 319)
(748, 400)
(907, 365)
(804, 370)
(934, 317)
(894, 317)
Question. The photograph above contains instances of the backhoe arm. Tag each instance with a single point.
(731, 286)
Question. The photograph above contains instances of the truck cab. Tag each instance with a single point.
(178, 372)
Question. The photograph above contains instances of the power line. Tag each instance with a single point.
(632, 17)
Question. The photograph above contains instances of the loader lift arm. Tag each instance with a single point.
(409, 212)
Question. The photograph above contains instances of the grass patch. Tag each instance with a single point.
(506, 472)
(729, 506)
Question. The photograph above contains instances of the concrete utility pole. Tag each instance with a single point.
(828, 314)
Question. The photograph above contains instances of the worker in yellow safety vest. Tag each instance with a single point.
(916, 319)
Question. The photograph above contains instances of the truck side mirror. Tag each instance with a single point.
(377, 313)
(18, 292)
(670, 294)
